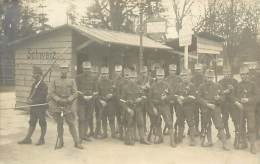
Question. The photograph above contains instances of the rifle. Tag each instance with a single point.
(59, 122)
(44, 75)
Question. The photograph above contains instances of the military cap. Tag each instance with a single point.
(172, 67)
(160, 72)
(127, 72)
(104, 70)
(244, 69)
(144, 69)
(118, 68)
(198, 66)
(133, 74)
(86, 64)
(210, 73)
(37, 70)
(226, 70)
(252, 66)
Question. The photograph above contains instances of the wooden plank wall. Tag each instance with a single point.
(57, 45)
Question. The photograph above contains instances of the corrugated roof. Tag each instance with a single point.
(104, 36)
(120, 38)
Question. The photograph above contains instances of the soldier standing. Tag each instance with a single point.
(161, 102)
(257, 81)
(228, 84)
(246, 94)
(209, 97)
(62, 105)
(134, 100)
(38, 95)
(197, 79)
(86, 86)
(185, 97)
(106, 99)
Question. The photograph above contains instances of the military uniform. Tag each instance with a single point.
(38, 95)
(257, 81)
(63, 105)
(227, 107)
(209, 98)
(106, 99)
(185, 102)
(197, 79)
(86, 84)
(246, 94)
(133, 108)
(161, 102)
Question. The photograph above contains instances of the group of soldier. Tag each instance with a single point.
(126, 101)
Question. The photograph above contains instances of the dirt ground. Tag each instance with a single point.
(14, 124)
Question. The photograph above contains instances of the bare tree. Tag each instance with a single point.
(181, 10)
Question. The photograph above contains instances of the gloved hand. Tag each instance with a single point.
(192, 97)
(139, 99)
(87, 98)
(244, 100)
(211, 106)
(217, 97)
(109, 96)
(239, 105)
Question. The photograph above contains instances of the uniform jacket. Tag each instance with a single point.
(208, 91)
(40, 94)
(246, 89)
(63, 89)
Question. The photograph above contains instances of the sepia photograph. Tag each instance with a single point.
(129, 81)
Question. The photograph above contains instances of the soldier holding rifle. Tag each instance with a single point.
(209, 97)
(38, 95)
(62, 106)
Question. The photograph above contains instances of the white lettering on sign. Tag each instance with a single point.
(36, 54)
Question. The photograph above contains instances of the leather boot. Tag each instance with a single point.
(223, 140)
(172, 140)
(41, 141)
(180, 134)
(236, 141)
(142, 136)
(252, 139)
(192, 136)
(27, 139)
(60, 143)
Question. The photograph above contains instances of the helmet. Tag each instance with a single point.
(226, 70)
(172, 67)
(118, 68)
(160, 72)
(104, 70)
(198, 66)
(244, 69)
(210, 73)
(86, 65)
(64, 65)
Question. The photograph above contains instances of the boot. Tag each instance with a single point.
(252, 139)
(223, 140)
(180, 135)
(253, 148)
(142, 136)
(192, 136)
(78, 146)
(27, 139)
(60, 143)
(41, 141)
(209, 138)
(236, 141)
(172, 139)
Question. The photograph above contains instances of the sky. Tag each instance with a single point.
(56, 10)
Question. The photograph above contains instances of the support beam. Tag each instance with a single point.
(83, 45)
